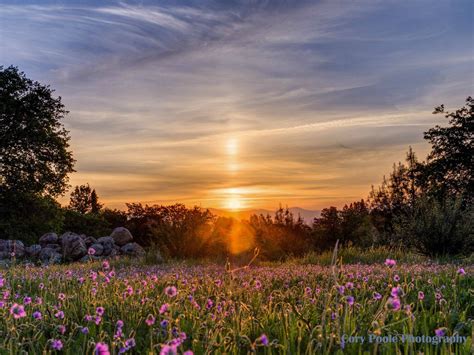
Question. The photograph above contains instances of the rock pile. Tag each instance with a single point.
(54, 249)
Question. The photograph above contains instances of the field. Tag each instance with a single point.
(286, 308)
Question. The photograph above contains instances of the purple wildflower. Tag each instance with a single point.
(18, 311)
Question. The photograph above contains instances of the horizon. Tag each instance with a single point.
(241, 106)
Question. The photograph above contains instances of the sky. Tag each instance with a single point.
(243, 104)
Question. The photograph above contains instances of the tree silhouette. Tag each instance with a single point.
(34, 155)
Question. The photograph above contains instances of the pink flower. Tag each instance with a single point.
(100, 311)
(440, 332)
(56, 344)
(421, 295)
(150, 320)
(171, 291)
(394, 303)
(101, 349)
(164, 308)
(350, 300)
(168, 350)
(91, 251)
(390, 262)
(18, 311)
(461, 272)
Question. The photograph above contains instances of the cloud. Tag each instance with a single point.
(322, 96)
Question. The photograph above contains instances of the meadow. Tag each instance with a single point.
(288, 308)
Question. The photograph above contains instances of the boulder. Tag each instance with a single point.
(9, 247)
(49, 256)
(108, 244)
(33, 250)
(99, 249)
(133, 249)
(89, 241)
(73, 246)
(56, 247)
(121, 236)
(48, 238)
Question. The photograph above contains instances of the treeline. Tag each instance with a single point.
(423, 205)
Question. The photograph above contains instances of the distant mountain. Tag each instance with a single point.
(307, 215)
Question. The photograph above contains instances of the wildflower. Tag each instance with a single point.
(61, 296)
(394, 303)
(59, 314)
(390, 262)
(101, 349)
(105, 265)
(461, 271)
(41, 286)
(97, 320)
(91, 251)
(100, 311)
(62, 329)
(209, 303)
(349, 285)
(258, 285)
(168, 350)
(37, 315)
(130, 343)
(263, 339)
(150, 320)
(188, 352)
(350, 300)
(56, 344)
(18, 311)
(396, 292)
(396, 278)
(119, 323)
(27, 300)
(171, 291)
(421, 295)
(85, 330)
(377, 296)
(440, 332)
(340, 289)
(164, 323)
(2, 282)
(164, 308)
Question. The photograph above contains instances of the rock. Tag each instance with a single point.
(73, 246)
(121, 236)
(9, 248)
(48, 238)
(56, 247)
(33, 250)
(133, 249)
(99, 249)
(108, 244)
(49, 256)
(89, 241)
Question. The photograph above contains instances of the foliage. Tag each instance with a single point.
(90, 224)
(281, 236)
(34, 155)
(438, 227)
(450, 165)
(26, 216)
(85, 200)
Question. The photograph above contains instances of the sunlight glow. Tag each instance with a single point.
(232, 146)
(234, 203)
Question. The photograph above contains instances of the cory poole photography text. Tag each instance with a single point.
(404, 338)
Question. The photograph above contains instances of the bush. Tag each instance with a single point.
(438, 228)
(90, 223)
(26, 216)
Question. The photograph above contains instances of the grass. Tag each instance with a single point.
(289, 308)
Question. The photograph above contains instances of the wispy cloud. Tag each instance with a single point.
(321, 96)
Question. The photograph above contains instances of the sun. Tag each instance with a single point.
(234, 203)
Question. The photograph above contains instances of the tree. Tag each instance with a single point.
(34, 154)
(327, 228)
(450, 165)
(84, 200)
